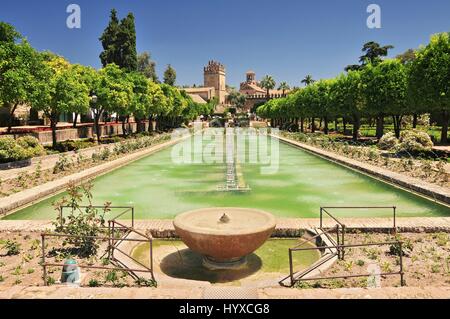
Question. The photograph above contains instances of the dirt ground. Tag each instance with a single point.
(24, 268)
(426, 262)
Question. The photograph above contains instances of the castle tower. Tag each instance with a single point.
(214, 76)
(251, 77)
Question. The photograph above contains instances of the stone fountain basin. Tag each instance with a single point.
(245, 231)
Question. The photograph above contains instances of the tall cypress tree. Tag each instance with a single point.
(111, 51)
(170, 75)
(126, 40)
(119, 42)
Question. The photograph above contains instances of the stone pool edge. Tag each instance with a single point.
(286, 227)
(411, 184)
(11, 204)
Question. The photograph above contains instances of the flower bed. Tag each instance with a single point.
(432, 170)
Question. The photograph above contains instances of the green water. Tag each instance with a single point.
(159, 188)
(179, 262)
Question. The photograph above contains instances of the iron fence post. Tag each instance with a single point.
(343, 242)
(338, 241)
(291, 268)
(112, 240)
(151, 257)
(109, 241)
(395, 222)
(401, 264)
(321, 217)
(44, 267)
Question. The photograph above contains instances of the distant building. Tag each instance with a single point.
(214, 85)
(255, 94)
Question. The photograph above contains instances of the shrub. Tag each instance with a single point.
(11, 151)
(141, 281)
(388, 141)
(70, 145)
(12, 248)
(82, 222)
(63, 164)
(31, 145)
(111, 140)
(414, 141)
(407, 247)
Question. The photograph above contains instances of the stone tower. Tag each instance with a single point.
(214, 76)
(251, 76)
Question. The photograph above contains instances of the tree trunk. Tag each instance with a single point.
(302, 125)
(97, 126)
(150, 123)
(380, 126)
(11, 117)
(75, 119)
(53, 123)
(356, 125)
(444, 131)
(313, 125)
(325, 123)
(124, 130)
(344, 124)
(397, 124)
(414, 123)
(336, 128)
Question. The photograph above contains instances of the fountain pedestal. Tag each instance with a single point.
(224, 236)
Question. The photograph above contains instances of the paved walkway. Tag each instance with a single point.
(164, 227)
(62, 292)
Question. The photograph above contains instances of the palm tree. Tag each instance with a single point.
(268, 83)
(308, 80)
(284, 87)
(237, 99)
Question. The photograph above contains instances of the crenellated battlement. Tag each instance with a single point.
(214, 67)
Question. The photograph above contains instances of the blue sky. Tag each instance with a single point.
(285, 38)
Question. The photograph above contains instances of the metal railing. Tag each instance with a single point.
(117, 233)
(300, 277)
(326, 208)
(127, 210)
(132, 271)
(338, 246)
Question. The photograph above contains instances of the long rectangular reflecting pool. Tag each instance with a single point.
(160, 188)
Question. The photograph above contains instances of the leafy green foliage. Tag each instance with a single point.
(414, 84)
(141, 281)
(12, 248)
(413, 141)
(63, 164)
(429, 79)
(146, 66)
(119, 42)
(82, 222)
(93, 283)
(170, 76)
(388, 142)
(268, 83)
(17, 150)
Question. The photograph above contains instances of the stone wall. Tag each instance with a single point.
(85, 131)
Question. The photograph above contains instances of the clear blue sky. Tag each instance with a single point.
(285, 38)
